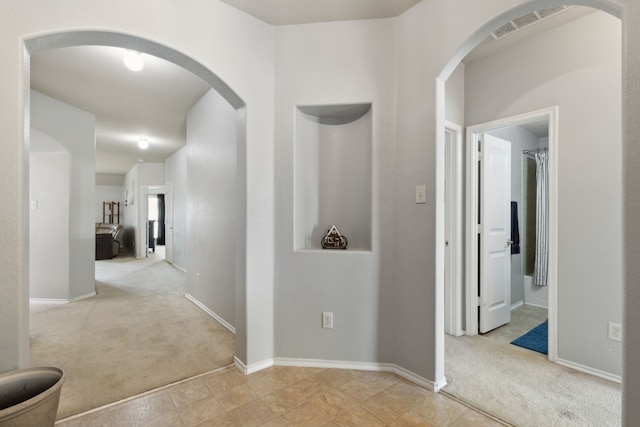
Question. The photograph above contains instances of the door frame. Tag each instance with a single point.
(454, 217)
(472, 204)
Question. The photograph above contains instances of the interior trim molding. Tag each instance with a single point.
(591, 371)
(210, 313)
(89, 295)
(361, 366)
(254, 367)
(47, 301)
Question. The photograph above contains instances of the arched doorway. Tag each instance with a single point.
(461, 52)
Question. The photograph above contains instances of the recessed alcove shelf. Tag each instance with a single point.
(333, 174)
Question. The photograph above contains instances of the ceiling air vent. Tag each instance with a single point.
(526, 20)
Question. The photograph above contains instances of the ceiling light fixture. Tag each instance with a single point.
(143, 143)
(133, 60)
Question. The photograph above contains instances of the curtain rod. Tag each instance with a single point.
(537, 150)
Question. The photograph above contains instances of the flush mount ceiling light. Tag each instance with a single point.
(143, 143)
(133, 60)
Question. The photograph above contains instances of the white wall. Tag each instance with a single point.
(329, 64)
(211, 203)
(520, 139)
(49, 218)
(427, 38)
(136, 181)
(581, 75)
(75, 130)
(176, 174)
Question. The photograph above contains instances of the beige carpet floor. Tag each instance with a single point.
(523, 388)
(138, 333)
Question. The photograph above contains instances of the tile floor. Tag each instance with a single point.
(287, 396)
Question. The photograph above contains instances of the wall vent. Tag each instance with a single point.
(526, 21)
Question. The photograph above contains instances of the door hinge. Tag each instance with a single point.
(480, 156)
(479, 228)
(479, 301)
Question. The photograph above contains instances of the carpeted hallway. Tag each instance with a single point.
(521, 386)
(138, 333)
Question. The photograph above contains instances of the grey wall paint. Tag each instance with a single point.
(108, 193)
(420, 60)
(211, 203)
(176, 173)
(49, 223)
(582, 76)
(331, 64)
(75, 130)
(454, 101)
(520, 139)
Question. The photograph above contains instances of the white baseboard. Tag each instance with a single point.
(537, 305)
(517, 304)
(89, 295)
(591, 371)
(59, 301)
(211, 313)
(47, 301)
(361, 366)
(184, 270)
(254, 367)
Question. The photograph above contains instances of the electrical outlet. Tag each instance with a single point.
(615, 331)
(327, 319)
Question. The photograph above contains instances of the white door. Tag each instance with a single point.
(495, 237)
(168, 222)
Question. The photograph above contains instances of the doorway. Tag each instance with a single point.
(475, 225)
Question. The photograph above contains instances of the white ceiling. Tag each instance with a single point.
(154, 102)
(150, 103)
(288, 12)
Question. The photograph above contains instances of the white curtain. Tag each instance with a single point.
(542, 219)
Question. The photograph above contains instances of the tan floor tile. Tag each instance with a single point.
(266, 383)
(412, 419)
(439, 409)
(293, 374)
(283, 400)
(117, 416)
(357, 417)
(172, 420)
(333, 402)
(338, 377)
(306, 415)
(189, 392)
(471, 418)
(224, 380)
(366, 386)
(255, 413)
(200, 411)
(310, 387)
(236, 397)
(152, 407)
(395, 400)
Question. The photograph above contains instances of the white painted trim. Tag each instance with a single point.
(453, 287)
(184, 270)
(254, 367)
(89, 295)
(361, 366)
(47, 301)
(517, 304)
(590, 371)
(211, 313)
(550, 114)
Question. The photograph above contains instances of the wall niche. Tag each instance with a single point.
(333, 174)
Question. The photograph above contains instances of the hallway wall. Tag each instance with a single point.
(581, 75)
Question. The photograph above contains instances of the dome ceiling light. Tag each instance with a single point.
(133, 60)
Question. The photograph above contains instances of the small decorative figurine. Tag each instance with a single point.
(334, 240)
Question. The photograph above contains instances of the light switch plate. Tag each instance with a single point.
(421, 194)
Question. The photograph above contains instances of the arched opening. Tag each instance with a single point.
(462, 51)
(86, 38)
